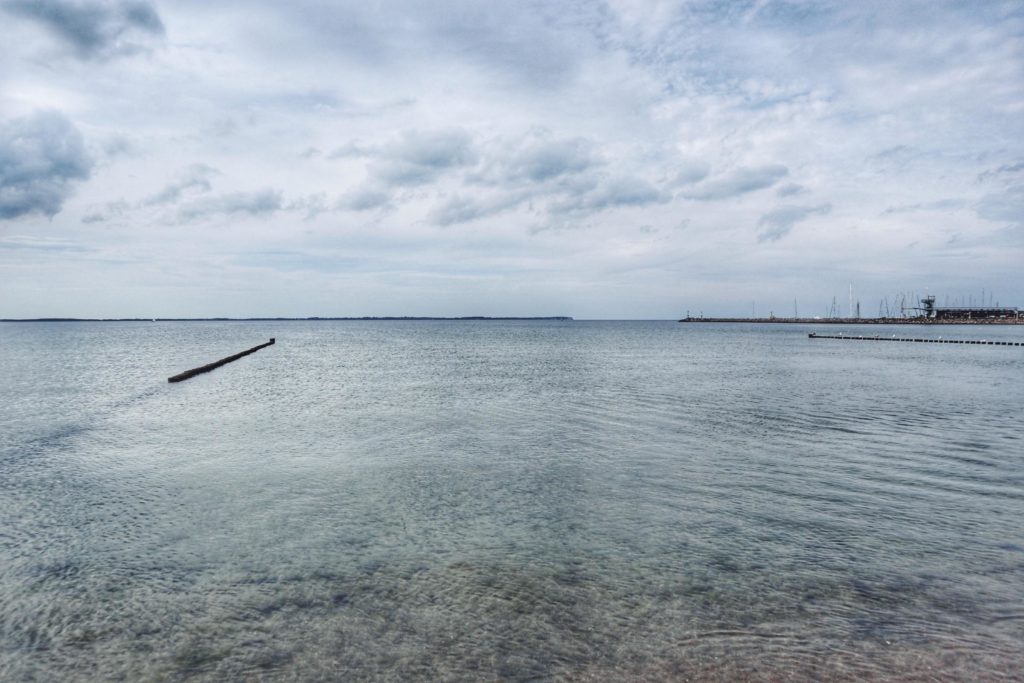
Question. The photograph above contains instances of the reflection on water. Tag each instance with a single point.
(515, 501)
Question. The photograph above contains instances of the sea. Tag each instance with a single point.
(510, 501)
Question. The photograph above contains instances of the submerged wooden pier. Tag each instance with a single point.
(188, 374)
(939, 340)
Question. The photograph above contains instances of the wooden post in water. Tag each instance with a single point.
(188, 374)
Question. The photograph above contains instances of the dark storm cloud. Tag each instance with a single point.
(738, 182)
(40, 158)
(92, 29)
(779, 222)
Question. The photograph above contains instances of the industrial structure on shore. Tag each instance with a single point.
(925, 314)
(962, 313)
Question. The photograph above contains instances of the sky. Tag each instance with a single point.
(617, 159)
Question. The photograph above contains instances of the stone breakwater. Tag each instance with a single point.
(860, 321)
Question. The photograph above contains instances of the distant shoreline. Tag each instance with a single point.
(861, 321)
(314, 318)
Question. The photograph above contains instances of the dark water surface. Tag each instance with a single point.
(509, 500)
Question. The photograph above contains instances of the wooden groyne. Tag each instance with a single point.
(940, 340)
(188, 374)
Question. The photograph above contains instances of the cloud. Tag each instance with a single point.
(195, 177)
(260, 203)
(624, 191)
(119, 145)
(572, 198)
(312, 205)
(464, 209)
(25, 242)
(419, 157)
(738, 182)
(352, 149)
(1006, 206)
(1016, 167)
(111, 210)
(522, 45)
(895, 159)
(621, 191)
(534, 158)
(92, 29)
(790, 189)
(527, 168)
(779, 222)
(578, 118)
(542, 160)
(364, 199)
(41, 156)
(939, 205)
(690, 172)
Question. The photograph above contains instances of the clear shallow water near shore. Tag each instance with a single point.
(509, 500)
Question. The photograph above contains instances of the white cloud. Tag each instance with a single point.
(737, 182)
(777, 223)
(196, 178)
(259, 203)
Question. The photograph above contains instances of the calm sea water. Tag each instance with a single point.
(509, 500)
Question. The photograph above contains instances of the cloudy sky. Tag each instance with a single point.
(600, 159)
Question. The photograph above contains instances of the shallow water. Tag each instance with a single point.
(509, 500)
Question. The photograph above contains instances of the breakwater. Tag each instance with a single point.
(188, 374)
(861, 321)
(894, 338)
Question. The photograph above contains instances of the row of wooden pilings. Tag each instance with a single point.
(939, 340)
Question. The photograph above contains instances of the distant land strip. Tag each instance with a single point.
(188, 320)
(861, 321)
